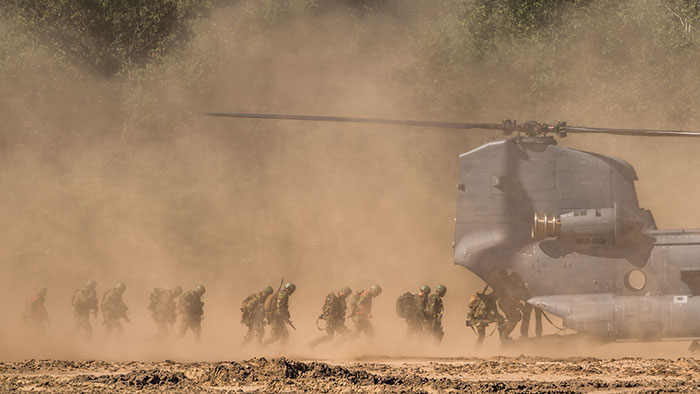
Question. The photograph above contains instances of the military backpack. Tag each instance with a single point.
(406, 305)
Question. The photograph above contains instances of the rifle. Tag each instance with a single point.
(288, 321)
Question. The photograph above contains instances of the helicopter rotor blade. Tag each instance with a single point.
(398, 122)
(634, 132)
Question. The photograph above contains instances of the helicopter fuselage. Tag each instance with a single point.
(562, 229)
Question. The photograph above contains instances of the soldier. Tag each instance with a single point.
(510, 307)
(277, 313)
(421, 303)
(410, 307)
(333, 312)
(114, 309)
(361, 311)
(84, 302)
(433, 311)
(35, 313)
(253, 316)
(191, 310)
(482, 312)
(163, 309)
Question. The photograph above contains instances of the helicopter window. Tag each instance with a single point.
(583, 241)
(635, 280)
(582, 212)
(598, 241)
(597, 212)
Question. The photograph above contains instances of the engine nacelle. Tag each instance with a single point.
(587, 227)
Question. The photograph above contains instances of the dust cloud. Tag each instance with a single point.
(125, 180)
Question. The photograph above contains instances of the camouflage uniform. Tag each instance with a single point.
(163, 308)
(362, 311)
(279, 316)
(482, 312)
(333, 312)
(191, 309)
(84, 302)
(510, 308)
(35, 313)
(114, 309)
(253, 317)
(433, 310)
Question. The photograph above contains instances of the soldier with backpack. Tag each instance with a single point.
(406, 308)
(361, 310)
(482, 312)
(163, 309)
(252, 314)
(277, 314)
(333, 312)
(191, 309)
(114, 309)
(84, 303)
(433, 312)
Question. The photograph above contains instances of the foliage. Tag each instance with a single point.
(108, 35)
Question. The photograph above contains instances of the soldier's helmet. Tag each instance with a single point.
(290, 287)
(473, 298)
(425, 290)
(41, 292)
(441, 290)
(375, 290)
(345, 291)
(200, 290)
(120, 287)
(268, 290)
(91, 284)
(176, 291)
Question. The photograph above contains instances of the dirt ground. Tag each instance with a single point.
(372, 374)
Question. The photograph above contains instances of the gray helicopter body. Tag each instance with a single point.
(562, 229)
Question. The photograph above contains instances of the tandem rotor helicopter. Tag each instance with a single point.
(562, 230)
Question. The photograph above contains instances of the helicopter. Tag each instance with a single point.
(562, 230)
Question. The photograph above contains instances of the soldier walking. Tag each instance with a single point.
(191, 309)
(482, 312)
(163, 309)
(510, 307)
(253, 316)
(35, 314)
(333, 312)
(114, 309)
(277, 314)
(433, 311)
(410, 307)
(361, 311)
(84, 303)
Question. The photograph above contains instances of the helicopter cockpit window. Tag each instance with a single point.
(583, 241)
(582, 212)
(635, 280)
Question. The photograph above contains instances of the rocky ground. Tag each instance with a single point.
(499, 374)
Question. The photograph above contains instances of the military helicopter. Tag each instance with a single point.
(562, 229)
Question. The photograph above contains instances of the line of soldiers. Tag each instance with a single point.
(483, 311)
(423, 312)
(162, 305)
(268, 308)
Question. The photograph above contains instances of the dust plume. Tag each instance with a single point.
(123, 179)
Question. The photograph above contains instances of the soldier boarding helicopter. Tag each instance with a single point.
(562, 229)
